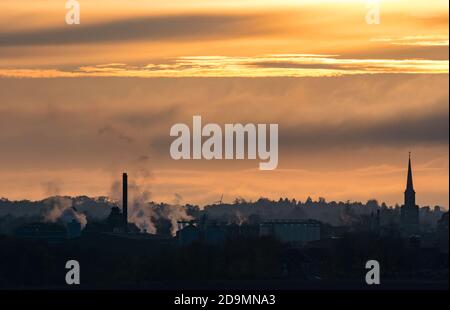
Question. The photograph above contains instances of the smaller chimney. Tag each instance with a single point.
(125, 201)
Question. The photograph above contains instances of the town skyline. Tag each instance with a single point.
(178, 200)
(80, 104)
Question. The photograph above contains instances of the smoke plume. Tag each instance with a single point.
(146, 215)
(60, 209)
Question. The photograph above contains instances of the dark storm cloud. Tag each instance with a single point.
(404, 130)
(399, 131)
(80, 124)
(181, 27)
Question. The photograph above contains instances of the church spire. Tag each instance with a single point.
(410, 194)
(410, 211)
(409, 182)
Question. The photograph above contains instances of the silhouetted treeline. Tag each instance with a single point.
(162, 217)
(333, 213)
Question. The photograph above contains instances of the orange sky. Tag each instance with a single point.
(81, 103)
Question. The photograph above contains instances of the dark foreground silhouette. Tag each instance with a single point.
(109, 261)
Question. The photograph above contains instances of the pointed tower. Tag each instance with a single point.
(410, 194)
(410, 211)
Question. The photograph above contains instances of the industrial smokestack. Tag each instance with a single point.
(125, 200)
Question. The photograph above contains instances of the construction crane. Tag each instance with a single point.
(220, 201)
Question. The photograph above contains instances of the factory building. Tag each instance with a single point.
(297, 232)
(188, 234)
(212, 232)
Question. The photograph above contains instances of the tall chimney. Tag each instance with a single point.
(125, 200)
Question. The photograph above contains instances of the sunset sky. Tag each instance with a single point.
(79, 104)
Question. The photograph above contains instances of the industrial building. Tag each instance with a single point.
(297, 232)
(213, 233)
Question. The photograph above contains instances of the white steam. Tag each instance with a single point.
(60, 209)
(145, 214)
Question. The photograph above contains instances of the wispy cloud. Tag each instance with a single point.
(290, 65)
(424, 40)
